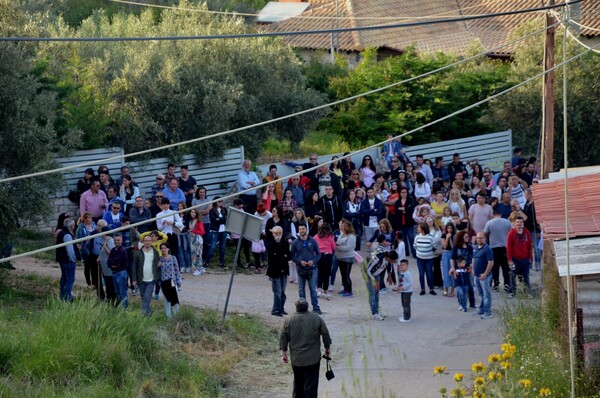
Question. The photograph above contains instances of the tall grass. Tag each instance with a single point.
(87, 348)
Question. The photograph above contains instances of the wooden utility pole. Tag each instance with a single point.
(548, 98)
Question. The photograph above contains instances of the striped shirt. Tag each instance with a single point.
(425, 246)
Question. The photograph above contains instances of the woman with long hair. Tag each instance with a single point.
(86, 227)
(218, 218)
(170, 279)
(436, 233)
(276, 220)
(311, 205)
(422, 188)
(462, 248)
(456, 203)
(184, 255)
(288, 204)
(367, 171)
(447, 245)
(354, 180)
(393, 195)
(424, 247)
(352, 213)
(345, 245)
(324, 238)
(405, 222)
(269, 198)
(128, 192)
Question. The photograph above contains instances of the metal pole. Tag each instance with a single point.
(566, 166)
(235, 261)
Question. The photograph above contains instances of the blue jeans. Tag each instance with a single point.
(448, 280)
(462, 292)
(536, 253)
(67, 280)
(334, 268)
(484, 288)
(521, 268)
(278, 286)
(373, 295)
(425, 267)
(408, 235)
(184, 256)
(120, 281)
(220, 238)
(146, 289)
(312, 285)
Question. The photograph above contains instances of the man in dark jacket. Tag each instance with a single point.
(146, 272)
(117, 261)
(330, 206)
(278, 253)
(302, 332)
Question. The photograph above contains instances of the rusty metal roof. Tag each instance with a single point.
(454, 36)
(584, 206)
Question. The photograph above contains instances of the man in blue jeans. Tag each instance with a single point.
(118, 261)
(305, 254)
(483, 262)
(66, 257)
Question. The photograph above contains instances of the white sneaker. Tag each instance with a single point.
(385, 290)
(383, 314)
(197, 272)
(319, 294)
(326, 295)
(404, 320)
(331, 287)
(378, 317)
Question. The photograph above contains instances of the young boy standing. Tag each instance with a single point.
(372, 272)
(461, 281)
(405, 289)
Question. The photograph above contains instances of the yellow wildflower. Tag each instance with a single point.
(505, 365)
(509, 348)
(506, 356)
(494, 358)
(525, 383)
(439, 370)
(492, 375)
(478, 367)
(498, 376)
(458, 377)
(479, 381)
(478, 394)
(544, 392)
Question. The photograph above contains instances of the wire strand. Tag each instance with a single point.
(266, 122)
(455, 113)
(289, 33)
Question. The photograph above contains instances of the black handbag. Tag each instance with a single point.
(329, 372)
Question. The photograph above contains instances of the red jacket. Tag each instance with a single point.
(519, 247)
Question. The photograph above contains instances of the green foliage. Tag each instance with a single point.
(86, 348)
(27, 136)
(521, 110)
(410, 105)
(141, 95)
(319, 74)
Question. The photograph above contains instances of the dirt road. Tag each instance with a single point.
(371, 358)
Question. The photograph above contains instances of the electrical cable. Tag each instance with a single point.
(243, 14)
(266, 122)
(455, 113)
(281, 34)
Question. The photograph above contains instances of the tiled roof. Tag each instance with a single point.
(584, 206)
(590, 18)
(455, 36)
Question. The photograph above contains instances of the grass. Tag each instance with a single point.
(51, 349)
(540, 356)
(28, 240)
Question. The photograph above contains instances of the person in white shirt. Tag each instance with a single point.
(170, 224)
(248, 179)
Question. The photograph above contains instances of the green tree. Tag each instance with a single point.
(28, 140)
(158, 93)
(407, 106)
(521, 110)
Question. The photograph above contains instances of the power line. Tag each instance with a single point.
(270, 121)
(451, 115)
(280, 34)
(245, 14)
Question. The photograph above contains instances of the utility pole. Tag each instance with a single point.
(548, 98)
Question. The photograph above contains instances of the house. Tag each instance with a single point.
(579, 259)
(453, 37)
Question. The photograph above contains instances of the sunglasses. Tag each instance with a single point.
(394, 161)
(116, 208)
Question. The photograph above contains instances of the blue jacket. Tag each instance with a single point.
(366, 211)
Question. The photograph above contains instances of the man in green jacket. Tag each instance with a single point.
(302, 332)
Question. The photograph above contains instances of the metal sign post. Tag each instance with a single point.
(247, 226)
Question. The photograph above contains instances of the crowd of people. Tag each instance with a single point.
(313, 224)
